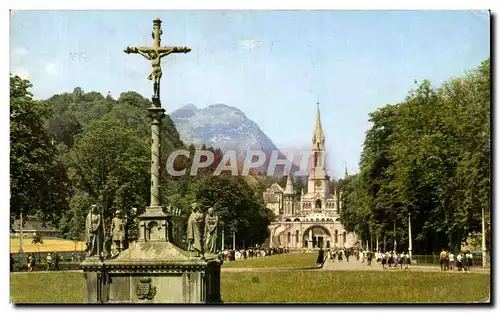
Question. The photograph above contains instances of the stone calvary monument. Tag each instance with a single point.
(154, 269)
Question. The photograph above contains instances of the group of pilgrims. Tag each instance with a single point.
(462, 262)
(385, 259)
(256, 252)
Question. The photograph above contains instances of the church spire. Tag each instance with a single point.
(289, 185)
(318, 136)
(345, 174)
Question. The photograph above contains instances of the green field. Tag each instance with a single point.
(293, 260)
(282, 286)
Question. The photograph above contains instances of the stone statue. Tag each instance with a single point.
(94, 232)
(156, 73)
(211, 234)
(117, 232)
(195, 230)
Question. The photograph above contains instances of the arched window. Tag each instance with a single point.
(288, 220)
(296, 220)
(317, 220)
(297, 236)
(336, 236)
(317, 204)
(322, 219)
(289, 235)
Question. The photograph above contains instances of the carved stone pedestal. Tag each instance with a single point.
(152, 272)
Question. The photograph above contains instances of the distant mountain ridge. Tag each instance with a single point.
(222, 126)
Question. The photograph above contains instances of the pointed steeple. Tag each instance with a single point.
(303, 190)
(289, 185)
(318, 136)
(345, 174)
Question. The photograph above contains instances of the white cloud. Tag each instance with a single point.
(52, 68)
(249, 44)
(21, 72)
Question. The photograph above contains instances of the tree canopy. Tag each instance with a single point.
(428, 159)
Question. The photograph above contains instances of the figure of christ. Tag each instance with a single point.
(156, 73)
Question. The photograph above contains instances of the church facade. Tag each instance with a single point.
(311, 220)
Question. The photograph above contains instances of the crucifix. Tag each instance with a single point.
(154, 54)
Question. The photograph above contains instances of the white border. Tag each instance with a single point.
(190, 4)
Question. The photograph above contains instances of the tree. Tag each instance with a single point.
(108, 166)
(38, 179)
(428, 156)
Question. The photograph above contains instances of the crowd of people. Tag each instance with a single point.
(393, 259)
(462, 262)
(385, 259)
(234, 255)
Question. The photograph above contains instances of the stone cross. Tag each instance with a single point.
(154, 54)
(154, 214)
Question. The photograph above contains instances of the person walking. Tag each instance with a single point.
(442, 259)
(321, 257)
(31, 262)
(459, 262)
(451, 261)
(57, 259)
(49, 262)
(468, 257)
(407, 260)
(384, 260)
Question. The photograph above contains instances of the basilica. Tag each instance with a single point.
(311, 220)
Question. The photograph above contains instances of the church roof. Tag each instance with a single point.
(274, 188)
(33, 224)
(289, 185)
(318, 135)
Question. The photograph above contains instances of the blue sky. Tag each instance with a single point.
(272, 65)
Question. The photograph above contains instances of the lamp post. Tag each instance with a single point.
(395, 242)
(21, 237)
(234, 240)
(483, 237)
(222, 228)
(409, 235)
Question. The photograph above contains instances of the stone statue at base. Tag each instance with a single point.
(211, 232)
(94, 232)
(195, 229)
(117, 233)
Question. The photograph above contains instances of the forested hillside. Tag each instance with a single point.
(76, 149)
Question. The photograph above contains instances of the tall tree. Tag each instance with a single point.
(38, 181)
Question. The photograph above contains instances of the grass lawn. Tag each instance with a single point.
(293, 286)
(292, 260)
